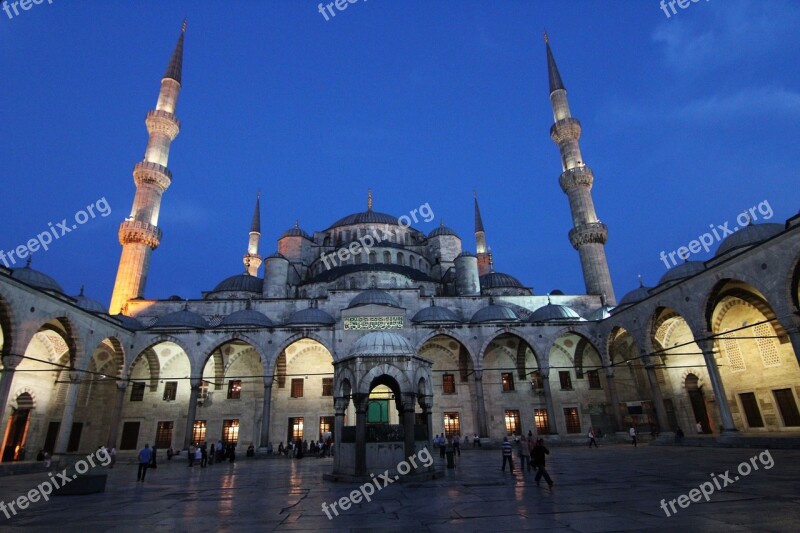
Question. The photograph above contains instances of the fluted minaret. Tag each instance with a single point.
(484, 256)
(252, 261)
(588, 235)
(139, 234)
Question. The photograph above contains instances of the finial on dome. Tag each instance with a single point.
(81, 293)
(186, 305)
(28, 262)
(297, 224)
(369, 199)
(641, 282)
(433, 301)
(548, 300)
(248, 304)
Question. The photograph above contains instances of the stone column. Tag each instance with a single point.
(361, 402)
(69, 413)
(409, 399)
(794, 337)
(426, 402)
(707, 346)
(10, 363)
(113, 428)
(482, 427)
(613, 397)
(340, 405)
(658, 399)
(265, 417)
(548, 399)
(190, 417)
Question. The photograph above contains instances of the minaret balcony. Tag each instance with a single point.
(591, 233)
(137, 231)
(158, 121)
(146, 172)
(573, 178)
(566, 129)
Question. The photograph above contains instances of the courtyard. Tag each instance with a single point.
(614, 488)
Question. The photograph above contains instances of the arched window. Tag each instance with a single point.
(387, 258)
(401, 260)
(357, 259)
(372, 258)
(412, 261)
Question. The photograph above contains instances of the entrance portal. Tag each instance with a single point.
(698, 402)
(17, 429)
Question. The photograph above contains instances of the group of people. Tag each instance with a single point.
(531, 452)
(298, 449)
(206, 454)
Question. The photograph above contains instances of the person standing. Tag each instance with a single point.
(592, 438)
(457, 445)
(203, 455)
(507, 457)
(698, 427)
(191, 455)
(153, 458)
(538, 458)
(198, 455)
(524, 452)
(145, 456)
(632, 433)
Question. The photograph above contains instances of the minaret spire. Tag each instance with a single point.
(369, 199)
(252, 261)
(139, 234)
(588, 235)
(484, 266)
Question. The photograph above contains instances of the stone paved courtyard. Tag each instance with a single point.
(613, 488)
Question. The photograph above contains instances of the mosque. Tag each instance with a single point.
(409, 334)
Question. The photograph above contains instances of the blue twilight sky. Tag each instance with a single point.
(687, 121)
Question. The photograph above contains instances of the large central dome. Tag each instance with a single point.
(365, 217)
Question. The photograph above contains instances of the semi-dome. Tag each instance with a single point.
(382, 343)
(442, 230)
(435, 315)
(682, 271)
(241, 283)
(36, 279)
(89, 304)
(181, 319)
(748, 236)
(365, 217)
(498, 280)
(128, 322)
(494, 313)
(374, 296)
(247, 317)
(600, 314)
(554, 312)
(310, 316)
(636, 295)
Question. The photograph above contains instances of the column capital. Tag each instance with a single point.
(409, 399)
(196, 383)
(361, 402)
(122, 384)
(74, 377)
(706, 345)
(268, 384)
(425, 402)
(478, 375)
(340, 404)
(11, 362)
(609, 370)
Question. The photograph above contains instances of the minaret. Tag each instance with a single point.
(480, 242)
(139, 234)
(588, 235)
(252, 261)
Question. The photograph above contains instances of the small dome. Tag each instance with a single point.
(181, 319)
(498, 280)
(494, 313)
(442, 230)
(36, 279)
(374, 296)
(276, 255)
(89, 304)
(684, 270)
(636, 295)
(465, 253)
(553, 312)
(557, 292)
(435, 315)
(382, 343)
(247, 317)
(295, 232)
(365, 217)
(600, 314)
(748, 236)
(241, 283)
(310, 316)
(128, 322)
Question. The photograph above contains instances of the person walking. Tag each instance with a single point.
(632, 433)
(538, 458)
(457, 445)
(507, 457)
(145, 456)
(524, 452)
(592, 438)
(198, 455)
